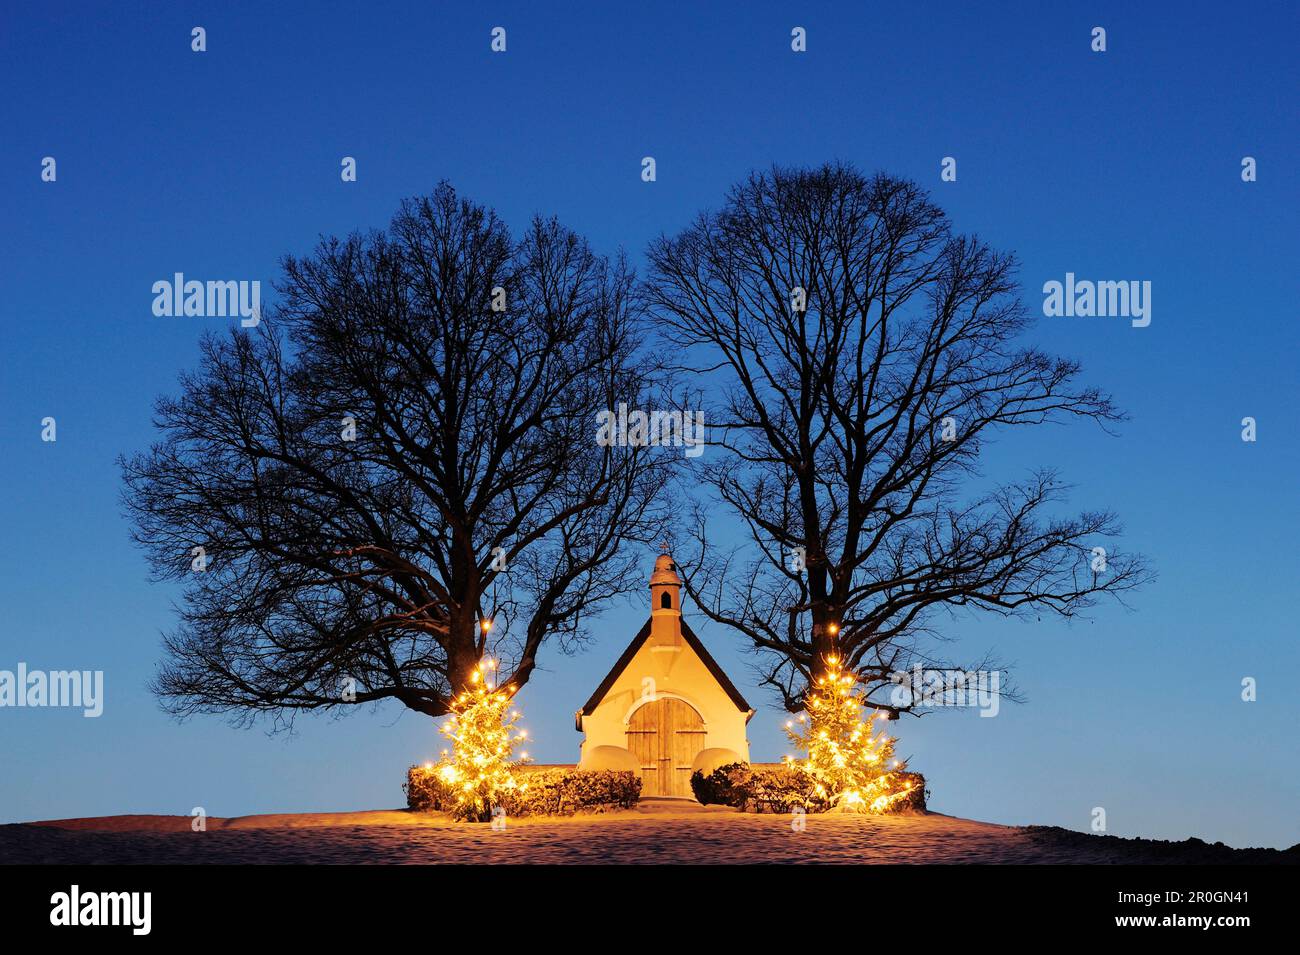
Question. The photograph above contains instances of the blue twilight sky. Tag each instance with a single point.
(1119, 165)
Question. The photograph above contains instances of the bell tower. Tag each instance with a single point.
(665, 587)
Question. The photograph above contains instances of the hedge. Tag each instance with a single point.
(780, 789)
(549, 792)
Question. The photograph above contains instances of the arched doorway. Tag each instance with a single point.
(665, 736)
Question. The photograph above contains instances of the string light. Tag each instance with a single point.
(846, 758)
(481, 765)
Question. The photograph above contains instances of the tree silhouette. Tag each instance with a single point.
(396, 473)
(868, 352)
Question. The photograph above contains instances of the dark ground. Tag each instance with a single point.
(656, 832)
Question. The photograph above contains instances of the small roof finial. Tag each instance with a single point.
(664, 546)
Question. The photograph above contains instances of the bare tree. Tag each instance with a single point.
(868, 352)
(397, 473)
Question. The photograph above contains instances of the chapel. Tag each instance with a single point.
(666, 708)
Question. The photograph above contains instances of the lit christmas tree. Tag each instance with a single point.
(480, 767)
(854, 767)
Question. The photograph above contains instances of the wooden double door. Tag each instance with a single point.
(665, 736)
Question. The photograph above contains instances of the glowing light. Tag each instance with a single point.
(481, 765)
(846, 758)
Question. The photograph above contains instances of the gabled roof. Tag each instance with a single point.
(693, 642)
